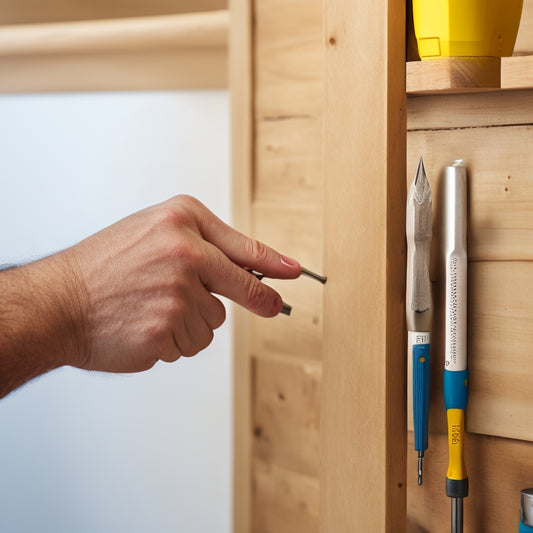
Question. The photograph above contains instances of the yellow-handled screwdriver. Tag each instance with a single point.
(456, 368)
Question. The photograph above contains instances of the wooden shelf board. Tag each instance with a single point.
(454, 75)
(37, 11)
(160, 52)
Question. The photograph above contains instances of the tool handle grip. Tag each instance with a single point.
(456, 476)
(523, 528)
(421, 389)
(456, 387)
(455, 399)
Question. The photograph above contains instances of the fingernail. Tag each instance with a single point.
(288, 261)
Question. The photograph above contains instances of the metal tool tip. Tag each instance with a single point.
(420, 468)
(420, 190)
(420, 170)
(420, 177)
(313, 275)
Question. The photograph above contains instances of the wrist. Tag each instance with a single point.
(41, 319)
(67, 301)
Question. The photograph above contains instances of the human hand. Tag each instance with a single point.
(147, 284)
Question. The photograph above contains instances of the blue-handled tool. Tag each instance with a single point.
(456, 379)
(418, 302)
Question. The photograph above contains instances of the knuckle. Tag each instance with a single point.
(256, 294)
(186, 254)
(257, 249)
(179, 211)
(200, 344)
(186, 205)
(175, 217)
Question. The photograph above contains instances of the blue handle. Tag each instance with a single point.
(522, 528)
(421, 383)
(456, 389)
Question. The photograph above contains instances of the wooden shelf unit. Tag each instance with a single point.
(323, 175)
(176, 51)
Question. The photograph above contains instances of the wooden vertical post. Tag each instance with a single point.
(240, 83)
(363, 415)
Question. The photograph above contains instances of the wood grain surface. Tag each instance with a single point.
(363, 441)
(37, 11)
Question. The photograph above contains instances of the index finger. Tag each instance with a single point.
(242, 250)
(220, 275)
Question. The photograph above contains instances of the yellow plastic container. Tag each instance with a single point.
(466, 28)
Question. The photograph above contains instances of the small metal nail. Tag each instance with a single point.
(286, 308)
(318, 277)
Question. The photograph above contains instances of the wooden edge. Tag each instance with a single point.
(240, 82)
(188, 30)
(363, 411)
(517, 72)
(456, 75)
(452, 75)
(153, 70)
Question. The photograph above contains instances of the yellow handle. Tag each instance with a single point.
(456, 444)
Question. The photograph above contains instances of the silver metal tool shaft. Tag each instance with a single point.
(313, 275)
(457, 515)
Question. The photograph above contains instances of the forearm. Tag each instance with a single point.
(139, 291)
(40, 320)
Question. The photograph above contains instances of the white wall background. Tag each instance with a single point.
(95, 453)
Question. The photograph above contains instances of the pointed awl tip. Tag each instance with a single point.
(420, 176)
(420, 189)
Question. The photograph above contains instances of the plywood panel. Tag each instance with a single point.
(297, 232)
(289, 162)
(287, 213)
(466, 111)
(500, 183)
(30, 11)
(500, 340)
(289, 59)
(500, 344)
(363, 441)
(498, 469)
(284, 501)
(286, 412)
(299, 334)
